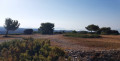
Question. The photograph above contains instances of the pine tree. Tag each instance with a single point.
(11, 25)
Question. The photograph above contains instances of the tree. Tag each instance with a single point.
(107, 31)
(28, 31)
(46, 28)
(114, 32)
(92, 27)
(105, 28)
(11, 25)
(74, 31)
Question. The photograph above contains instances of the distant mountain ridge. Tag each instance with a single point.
(19, 30)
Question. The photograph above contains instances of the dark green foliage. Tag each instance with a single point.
(92, 27)
(35, 32)
(11, 25)
(107, 31)
(16, 34)
(104, 30)
(58, 33)
(114, 32)
(28, 31)
(82, 35)
(46, 28)
(74, 31)
(63, 31)
(29, 50)
(83, 32)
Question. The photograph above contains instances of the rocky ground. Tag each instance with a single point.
(106, 55)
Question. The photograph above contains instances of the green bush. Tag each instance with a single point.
(74, 31)
(58, 33)
(16, 34)
(83, 32)
(28, 31)
(29, 50)
(105, 32)
(83, 35)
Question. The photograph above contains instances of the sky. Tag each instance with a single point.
(65, 14)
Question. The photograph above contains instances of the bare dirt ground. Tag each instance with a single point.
(107, 42)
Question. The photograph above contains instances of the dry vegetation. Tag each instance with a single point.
(106, 42)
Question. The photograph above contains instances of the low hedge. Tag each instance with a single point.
(83, 35)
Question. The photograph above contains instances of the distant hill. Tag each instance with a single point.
(63, 30)
(2, 28)
(20, 30)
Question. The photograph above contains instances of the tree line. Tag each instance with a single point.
(104, 30)
(12, 25)
(48, 28)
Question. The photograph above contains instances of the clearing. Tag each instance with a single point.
(107, 42)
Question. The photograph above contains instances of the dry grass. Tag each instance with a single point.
(106, 42)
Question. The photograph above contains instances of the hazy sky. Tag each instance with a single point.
(65, 14)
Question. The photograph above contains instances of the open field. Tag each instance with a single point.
(105, 43)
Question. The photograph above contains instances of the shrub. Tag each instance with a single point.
(110, 32)
(35, 32)
(16, 34)
(106, 32)
(58, 33)
(83, 32)
(74, 31)
(114, 32)
(83, 35)
(28, 31)
(29, 50)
